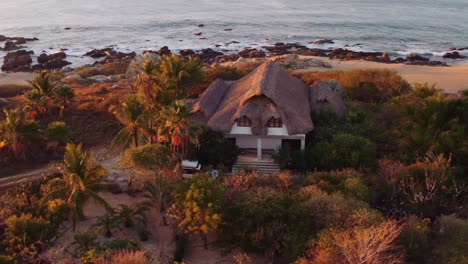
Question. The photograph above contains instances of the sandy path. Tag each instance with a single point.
(17, 78)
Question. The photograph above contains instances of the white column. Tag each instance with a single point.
(259, 148)
(302, 143)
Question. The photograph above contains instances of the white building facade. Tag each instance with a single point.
(272, 141)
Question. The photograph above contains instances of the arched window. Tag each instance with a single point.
(275, 122)
(244, 122)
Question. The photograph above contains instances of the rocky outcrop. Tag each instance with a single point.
(43, 58)
(294, 62)
(209, 55)
(281, 48)
(415, 58)
(164, 51)
(97, 53)
(311, 52)
(18, 61)
(226, 58)
(51, 62)
(112, 56)
(453, 55)
(322, 41)
(17, 40)
(187, 52)
(252, 53)
(427, 63)
(9, 45)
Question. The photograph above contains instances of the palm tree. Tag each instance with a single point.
(145, 82)
(64, 96)
(148, 90)
(17, 131)
(131, 113)
(80, 180)
(132, 215)
(175, 74)
(106, 222)
(42, 84)
(177, 128)
(159, 194)
(42, 91)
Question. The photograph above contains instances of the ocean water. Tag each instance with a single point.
(427, 27)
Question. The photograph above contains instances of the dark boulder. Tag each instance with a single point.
(312, 52)
(17, 40)
(187, 52)
(18, 61)
(427, 63)
(322, 41)
(415, 58)
(97, 53)
(51, 62)
(252, 53)
(453, 55)
(164, 51)
(209, 55)
(112, 56)
(10, 45)
(226, 58)
(43, 58)
(281, 48)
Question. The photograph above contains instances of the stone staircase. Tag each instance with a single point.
(264, 166)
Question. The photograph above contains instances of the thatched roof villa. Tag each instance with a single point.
(266, 109)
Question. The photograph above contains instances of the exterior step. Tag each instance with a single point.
(261, 166)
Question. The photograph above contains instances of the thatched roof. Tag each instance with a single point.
(322, 96)
(267, 92)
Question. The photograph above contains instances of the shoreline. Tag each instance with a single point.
(451, 79)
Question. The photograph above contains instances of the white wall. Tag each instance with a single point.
(246, 142)
(271, 143)
(237, 130)
(251, 142)
(272, 131)
(278, 131)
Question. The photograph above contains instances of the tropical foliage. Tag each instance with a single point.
(80, 180)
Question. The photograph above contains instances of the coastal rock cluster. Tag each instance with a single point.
(19, 59)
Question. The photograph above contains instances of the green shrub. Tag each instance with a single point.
(57, 210)
(86, 72)
(57, 133)
(114, 68)
(214, 150)
(122, 243)
(24, 236)
(257, 220)
(148, 157)
(347, 181)
(451, 240)
(388, 82)
(345, 150)
(415, 238)
(289, 159)
(86, 241)
(226, 73)
(365, 92)
(27, 229)
(423, 90)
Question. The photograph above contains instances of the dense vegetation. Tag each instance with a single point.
(385, 183)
